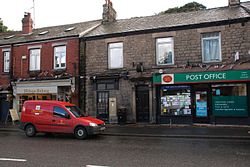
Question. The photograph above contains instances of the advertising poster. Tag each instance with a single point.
(201, 108)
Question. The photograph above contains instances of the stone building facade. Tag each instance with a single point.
(136, 82)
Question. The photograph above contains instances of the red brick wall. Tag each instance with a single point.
(21, 67)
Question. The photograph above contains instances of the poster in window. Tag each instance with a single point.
(201, 108)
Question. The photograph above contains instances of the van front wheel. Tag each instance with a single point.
(81, 133)
(30, 131)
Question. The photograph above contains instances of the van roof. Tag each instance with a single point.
(50, 102)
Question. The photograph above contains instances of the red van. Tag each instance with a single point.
(57, 117)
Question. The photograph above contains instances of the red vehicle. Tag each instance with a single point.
(57, 117)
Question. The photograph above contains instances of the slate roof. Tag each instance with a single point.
(137, 24)
(173, 20)
(53, 33)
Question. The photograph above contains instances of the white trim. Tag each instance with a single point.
(58, 68)
(35, 47)
(59, 44)
(6, 50)
(5, 46)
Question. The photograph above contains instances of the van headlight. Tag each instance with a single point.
(93, 124)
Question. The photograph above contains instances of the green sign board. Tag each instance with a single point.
(216, 76)
(235, 106)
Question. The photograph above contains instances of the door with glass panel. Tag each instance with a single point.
(201, 107)
(102, 105)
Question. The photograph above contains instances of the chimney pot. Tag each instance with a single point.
(233, 2)
(109, 13)
(27, 23)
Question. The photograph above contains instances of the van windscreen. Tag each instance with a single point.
(75, 111)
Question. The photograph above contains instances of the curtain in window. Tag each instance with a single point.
(211, 50)
(6, 61)
(35, 59)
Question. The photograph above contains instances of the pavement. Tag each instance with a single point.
(206, 131)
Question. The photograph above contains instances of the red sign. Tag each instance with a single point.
(167, 78)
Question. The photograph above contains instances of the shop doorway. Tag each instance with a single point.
(142, 104)
(102, 106)
(201, 106)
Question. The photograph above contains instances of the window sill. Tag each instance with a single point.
(59, 71)
(34, 73)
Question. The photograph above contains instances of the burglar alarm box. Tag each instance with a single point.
(112, 110)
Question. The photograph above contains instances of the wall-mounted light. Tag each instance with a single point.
(24, 57)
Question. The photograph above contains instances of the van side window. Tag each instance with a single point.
(59, 112)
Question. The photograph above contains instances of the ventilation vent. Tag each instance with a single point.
(43, 33)
(70, 29)
(8, 37)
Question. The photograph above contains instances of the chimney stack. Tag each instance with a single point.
(27, 23)
(109, 13)
(233, 2)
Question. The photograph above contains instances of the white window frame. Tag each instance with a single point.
(170, 42)
(6, 60)
(211, 38)
(60, 55)
(37, 57)
(115, 46)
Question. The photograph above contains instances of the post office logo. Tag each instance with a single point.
(167, 79)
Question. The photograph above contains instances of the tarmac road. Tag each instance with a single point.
(120, 151)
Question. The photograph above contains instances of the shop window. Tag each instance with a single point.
(35, 59)
(165, 51)
(211, 47)
(229, 100)
(59, 57)
(115, 55)
(6, 57)
(175, 100)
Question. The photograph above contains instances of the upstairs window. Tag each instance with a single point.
(59, 57)
(211, 47)
(6, 60)
(165, 51)
(115, 55)
(35, 59)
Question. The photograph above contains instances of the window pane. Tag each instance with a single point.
(211, 47)
(59, 111)
(164, 51)
(60, 57)
(116, 55)
(6, 61)
(175, 100)
(230, 100)
(35, 59)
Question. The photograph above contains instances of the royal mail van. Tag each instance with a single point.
(57, 117)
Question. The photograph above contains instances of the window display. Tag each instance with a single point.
(175, 100)
(230, 100)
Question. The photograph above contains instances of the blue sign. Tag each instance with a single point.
(201, 108)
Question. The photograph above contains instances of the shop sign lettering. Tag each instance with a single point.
(197, 77)
(36, 91)
(230, 106)
(219, 76)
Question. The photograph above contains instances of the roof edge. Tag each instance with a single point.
(167, 29)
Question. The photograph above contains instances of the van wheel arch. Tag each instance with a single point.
(30, 130)
(80, 132)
